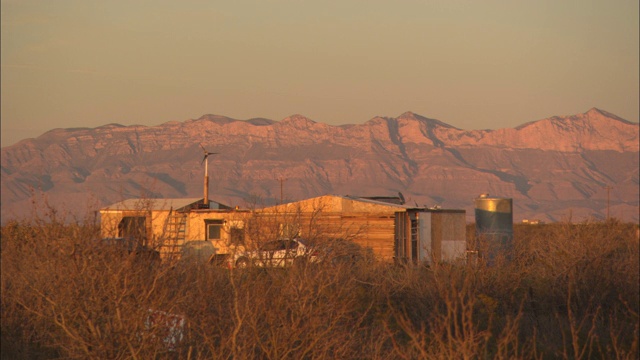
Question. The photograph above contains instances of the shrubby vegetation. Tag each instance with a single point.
(570, 292)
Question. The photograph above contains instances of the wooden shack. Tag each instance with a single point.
(367, 222)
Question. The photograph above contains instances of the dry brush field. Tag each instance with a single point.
(571, 291)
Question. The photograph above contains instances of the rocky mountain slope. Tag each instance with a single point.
(554, 169)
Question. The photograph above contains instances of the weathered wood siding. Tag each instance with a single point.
(370, 224)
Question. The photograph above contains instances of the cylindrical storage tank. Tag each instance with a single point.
(494, 227)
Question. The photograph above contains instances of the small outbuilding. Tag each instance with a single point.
(430, 236)
(161, 224)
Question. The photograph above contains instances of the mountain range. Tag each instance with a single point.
(577, 167)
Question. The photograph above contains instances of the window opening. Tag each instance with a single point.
(213, 229)
(237, 236)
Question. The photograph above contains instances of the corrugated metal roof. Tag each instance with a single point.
(153, 204)
(372, 201)
(325, 201)
(404, 206)
(396, 200)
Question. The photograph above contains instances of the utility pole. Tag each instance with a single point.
(608, 199)
(281, 188)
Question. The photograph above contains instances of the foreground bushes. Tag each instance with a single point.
(571, 292)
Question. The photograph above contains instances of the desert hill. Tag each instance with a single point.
(553, 168)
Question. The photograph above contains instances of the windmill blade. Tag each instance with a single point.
(206, 153)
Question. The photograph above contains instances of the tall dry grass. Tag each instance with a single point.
(570, 292)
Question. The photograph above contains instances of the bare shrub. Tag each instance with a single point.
(582, 280)
(450, 315)
(571, 291)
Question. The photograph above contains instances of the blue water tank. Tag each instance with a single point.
(494, 227)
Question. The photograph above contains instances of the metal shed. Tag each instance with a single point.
(430, 236)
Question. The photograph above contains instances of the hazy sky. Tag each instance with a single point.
(472, 64)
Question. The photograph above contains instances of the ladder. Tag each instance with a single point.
(175, 233)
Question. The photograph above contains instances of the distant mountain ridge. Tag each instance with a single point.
(552, 168)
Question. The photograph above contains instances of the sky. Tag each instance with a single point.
(472, 64)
